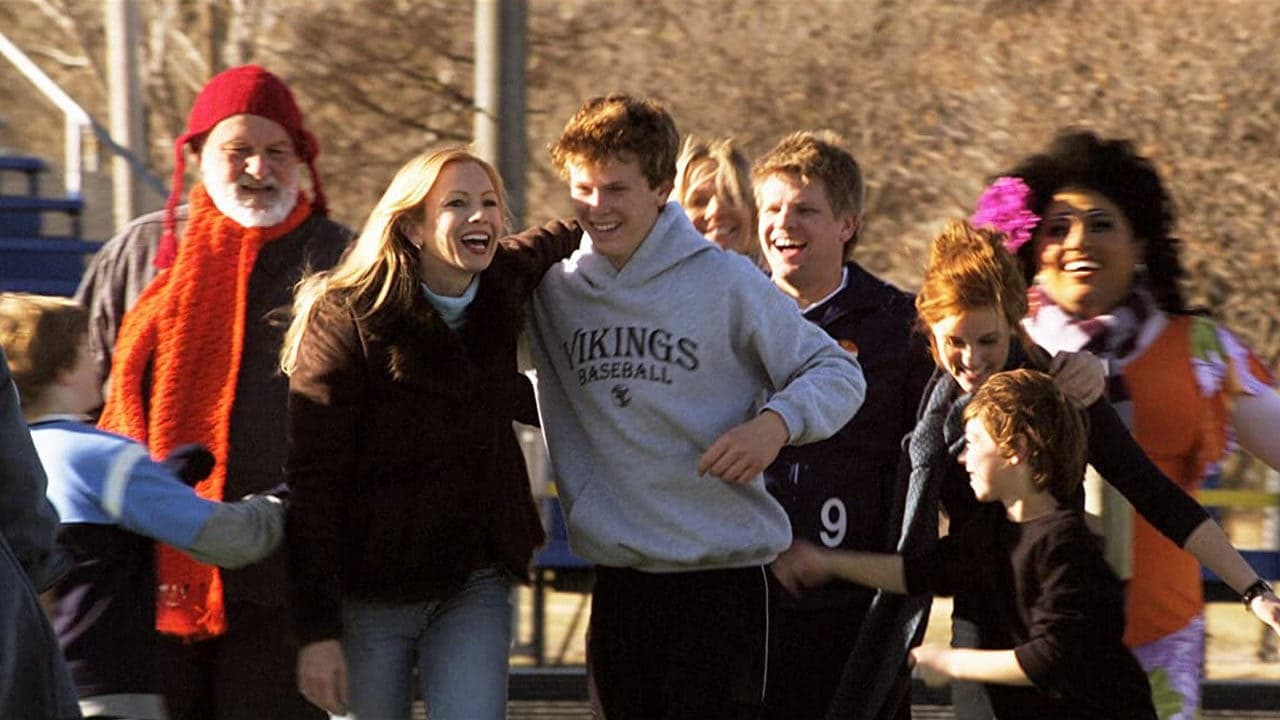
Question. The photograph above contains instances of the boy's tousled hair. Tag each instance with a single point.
(1027, 403)
(41, 337)
(807, 155)
(621, 127)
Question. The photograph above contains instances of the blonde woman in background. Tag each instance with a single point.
(713, 185)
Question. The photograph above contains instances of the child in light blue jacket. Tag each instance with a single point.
(114, 503)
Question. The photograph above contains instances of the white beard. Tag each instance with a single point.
(229, 200)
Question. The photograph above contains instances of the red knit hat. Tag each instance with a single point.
(247, 89)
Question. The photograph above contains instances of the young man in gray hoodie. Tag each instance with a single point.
(670, 374)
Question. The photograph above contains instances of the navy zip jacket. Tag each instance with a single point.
(841, 492)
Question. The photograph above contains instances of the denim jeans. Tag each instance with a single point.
(460, 646)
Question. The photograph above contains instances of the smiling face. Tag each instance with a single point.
(1087, 253)
(249, 167)
(715, 214)
(461, 218)
(972, 345)
(802, 238)
(613, 202)
(992, 475)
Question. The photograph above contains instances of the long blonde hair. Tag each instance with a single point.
(382, 263)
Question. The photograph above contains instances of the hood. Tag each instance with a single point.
(670, 241)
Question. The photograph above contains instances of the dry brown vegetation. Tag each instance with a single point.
(933, 96)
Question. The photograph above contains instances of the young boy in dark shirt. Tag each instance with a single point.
(1053, 615)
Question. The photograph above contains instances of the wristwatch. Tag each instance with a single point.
(1259, 587)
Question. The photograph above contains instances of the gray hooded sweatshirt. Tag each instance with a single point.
(641, 369)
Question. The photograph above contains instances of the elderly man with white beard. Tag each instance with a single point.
(187, 312)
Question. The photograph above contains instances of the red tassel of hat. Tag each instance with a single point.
(167, 251)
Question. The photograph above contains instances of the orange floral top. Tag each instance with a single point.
(1183, 387)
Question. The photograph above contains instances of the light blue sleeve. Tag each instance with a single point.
(102, 478)
(145, 497)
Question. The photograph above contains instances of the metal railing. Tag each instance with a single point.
(78, 122)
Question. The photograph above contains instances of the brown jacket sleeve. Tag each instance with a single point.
(537, 249)
(326, 400)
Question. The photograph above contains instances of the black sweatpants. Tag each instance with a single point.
(810, 650)
(680, 645)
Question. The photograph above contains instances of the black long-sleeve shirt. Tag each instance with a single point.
(1119, 459)
(1042, 589)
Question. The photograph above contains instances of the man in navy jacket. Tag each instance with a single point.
(840, 492)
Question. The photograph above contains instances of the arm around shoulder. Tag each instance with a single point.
(538, 248)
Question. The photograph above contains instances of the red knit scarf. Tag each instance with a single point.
(188, 328)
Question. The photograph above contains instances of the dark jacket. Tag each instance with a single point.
(840, 492)
(34, 681)
(28, 521)
(404, 469)
(255, 462)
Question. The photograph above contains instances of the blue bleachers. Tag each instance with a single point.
(556, 555)
(29, 166)
(30, 259)
(558, 568)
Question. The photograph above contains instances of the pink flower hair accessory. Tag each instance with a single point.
(1003, 206)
